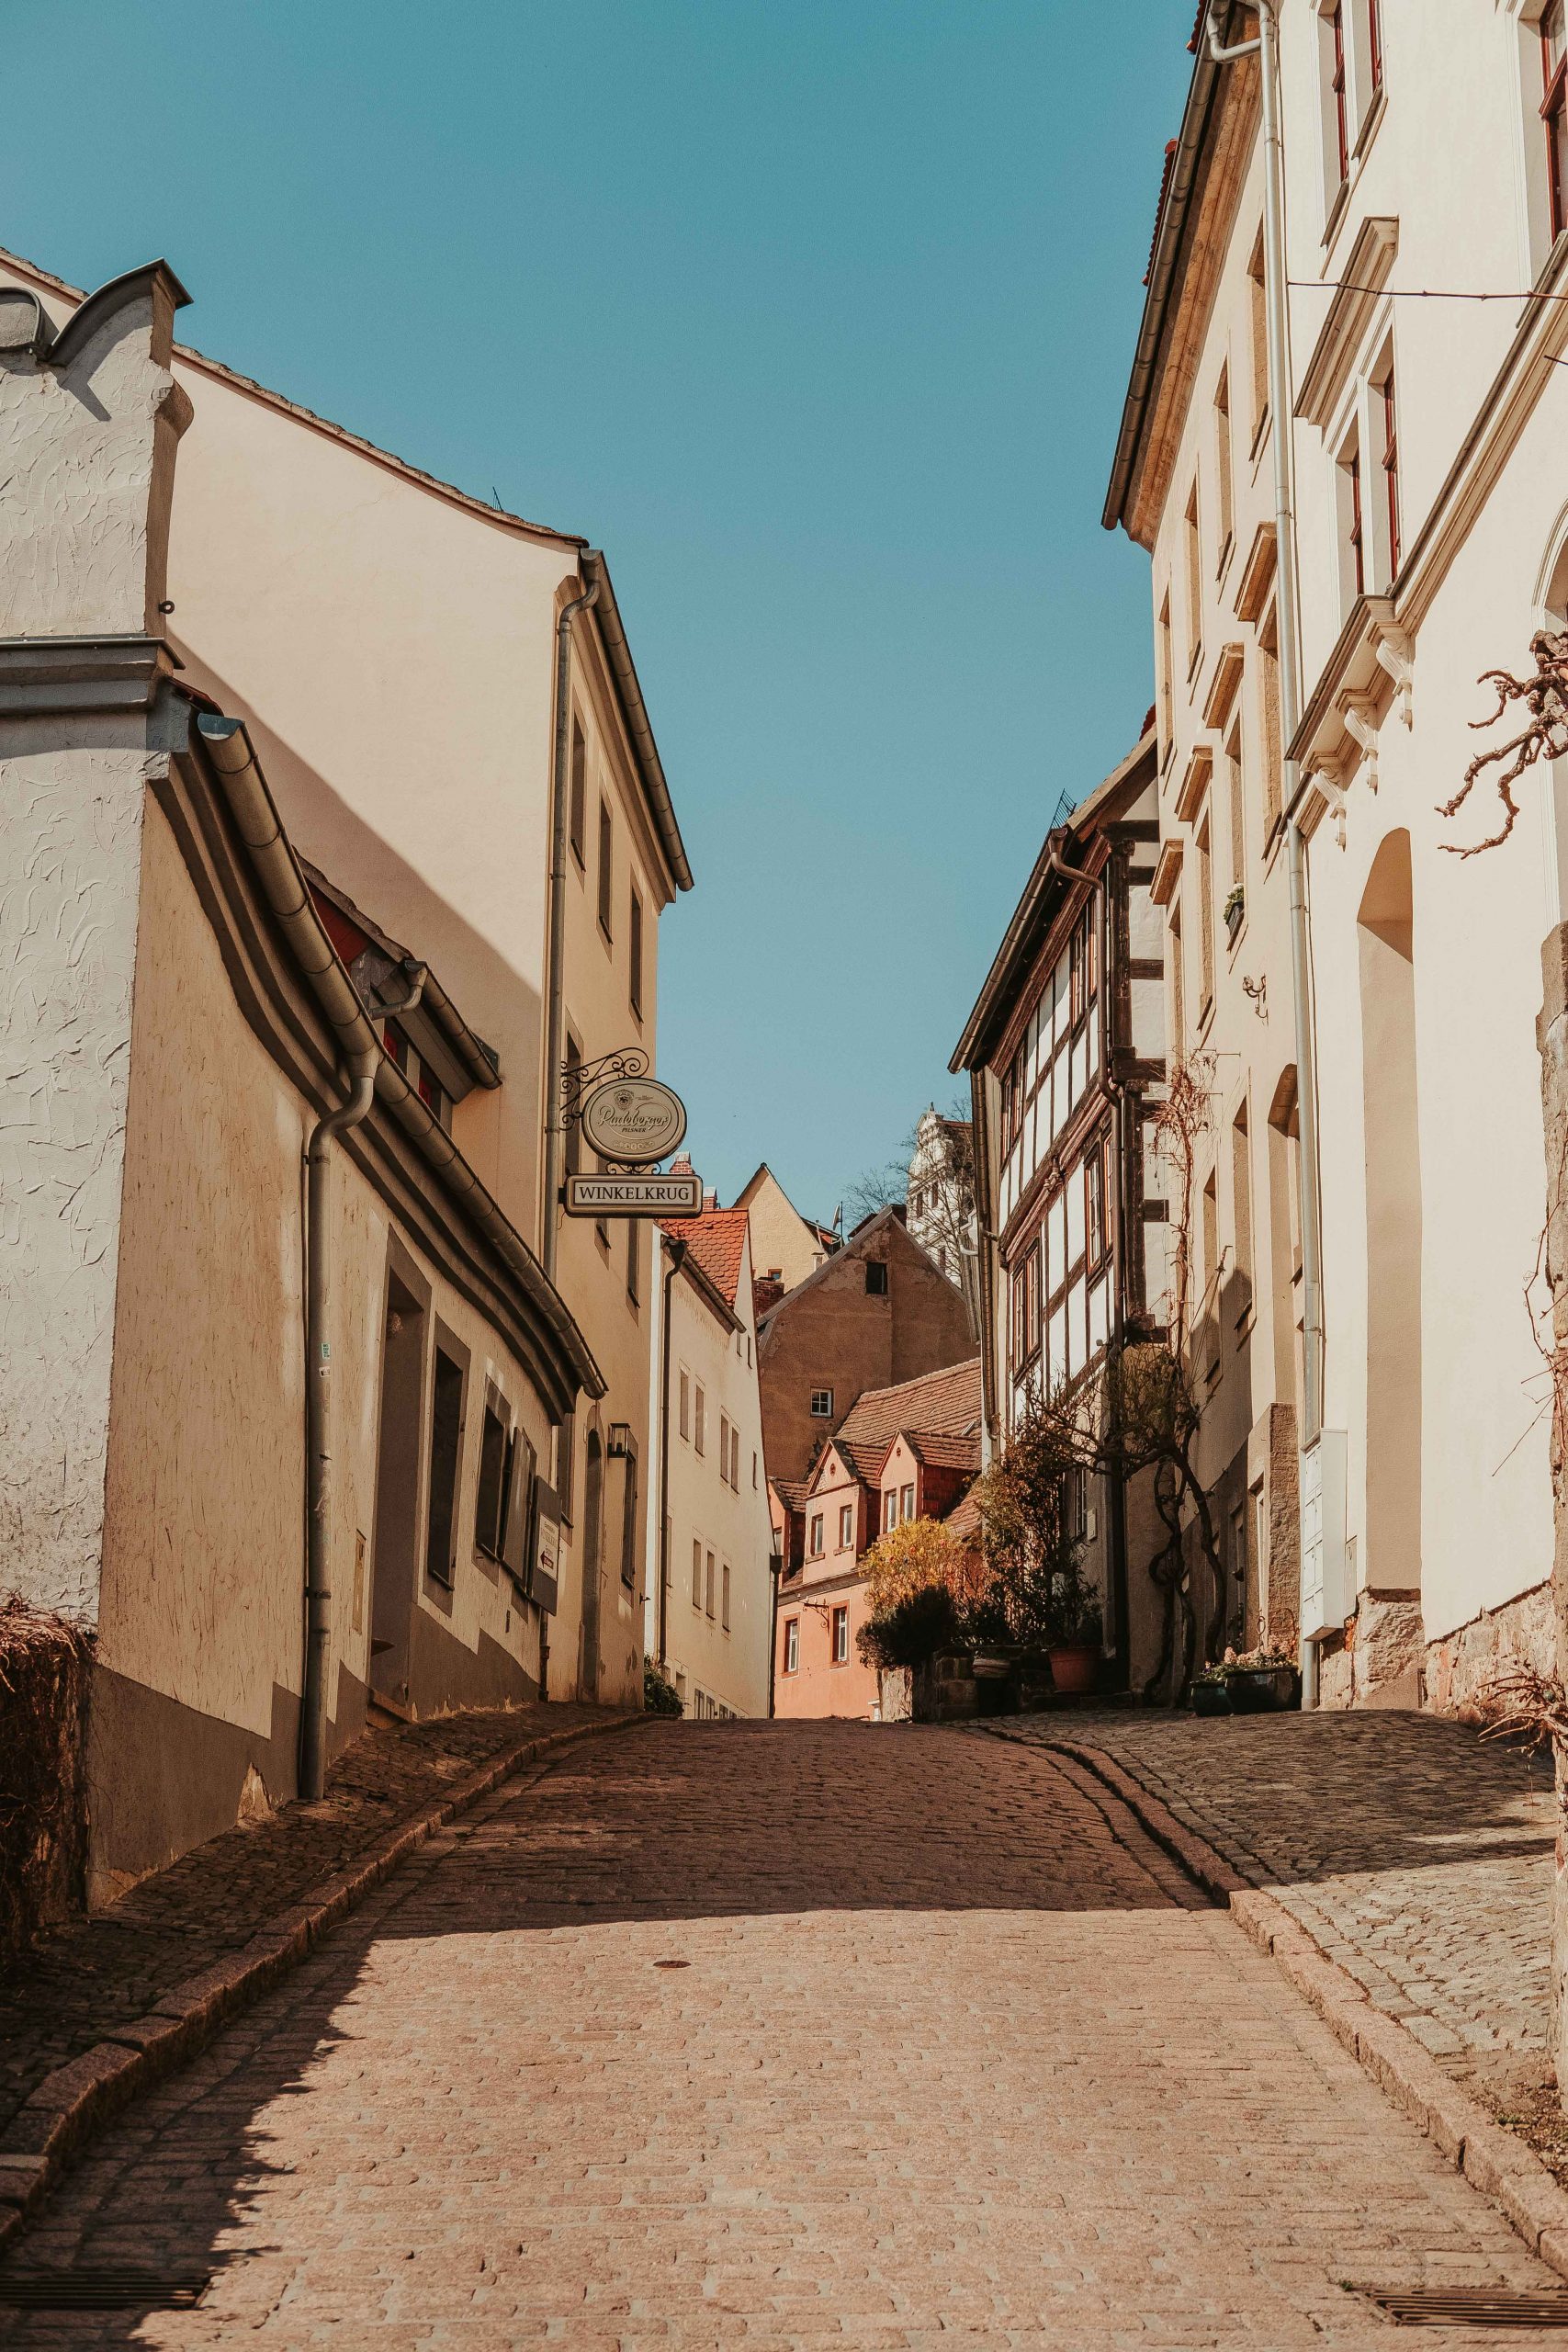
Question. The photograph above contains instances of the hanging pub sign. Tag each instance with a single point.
(634, 1121)
(642, 1192)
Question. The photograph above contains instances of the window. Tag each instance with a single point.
(846, 1527)
(445, 1439)
(1031, 1302)
(1238, 813)
(1340, 91)
(817, 1544)
(1204, 916)
(724, 1447)
(1082, 964)
(709, 1590)
(735, 1458)
(906, 1503)
(1020, 1316)
(1554, 109)
(565, 1464)
(1194, 538)
(685, 1404)
(753, 1468)
(578, 826)
(633, 1258)
(792, 1645)
(1178, 987)
(490, 1509)
(840, 1637)
(629, 1517)
(1374, 45)
(634, 981)
(1163, 675)
(821, 1403)
(696, 1572)
(1241, 1207)
(1258, 292)
(607, 865)
(1094, 1181)
(700, 1421)
(1350, 464)
(1223, 462)
(876, 1278)
(724, 1605)
(1390, 468)
(574, 1132)
(889, 1510)
(423, 1079)
(1268, 723)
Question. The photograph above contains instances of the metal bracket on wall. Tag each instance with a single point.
(579, 1080)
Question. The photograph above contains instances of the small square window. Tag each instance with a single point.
(821, 1403)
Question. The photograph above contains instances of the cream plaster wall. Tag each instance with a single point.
(203, 1550)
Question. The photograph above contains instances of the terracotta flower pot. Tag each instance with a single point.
(1073, 1671)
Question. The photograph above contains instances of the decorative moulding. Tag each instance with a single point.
(1257, 574)
(1223, 685)
(1365, 275)
(1168, 874)
(1194, 783)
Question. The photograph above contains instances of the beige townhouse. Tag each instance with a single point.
(710, 1588)
(1347, 470)
(312, 1402)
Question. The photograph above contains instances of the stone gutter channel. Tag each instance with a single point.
(48, 2130)
(1498, 2164)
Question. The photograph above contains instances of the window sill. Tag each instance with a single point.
(1196, 662)
(1337, 212)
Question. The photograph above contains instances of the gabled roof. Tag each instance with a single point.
(791, 1492)
(946, 1402)
(1044, 895)
(605, 615)
(716, 1240)
(943, 1449)
(853, 1248)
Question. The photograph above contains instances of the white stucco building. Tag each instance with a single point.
(1378, 1048)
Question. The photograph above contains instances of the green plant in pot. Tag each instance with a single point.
(1211, 1691)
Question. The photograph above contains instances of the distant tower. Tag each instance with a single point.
(940, 1204)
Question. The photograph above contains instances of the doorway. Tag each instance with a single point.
(593, 1563)
(1391, 1135)
(395, 1551)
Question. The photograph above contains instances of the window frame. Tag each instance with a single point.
(635, 953)
(456, 1363)
(1555, 112)
(792, 1645)
(815, 1536)
(824, 1411)
(576, 801)
(838, 1646)
(607, 898)
(846, 1527)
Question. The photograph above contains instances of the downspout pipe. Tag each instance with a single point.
(677, 1249)
(555, 1026)
(1266, 47)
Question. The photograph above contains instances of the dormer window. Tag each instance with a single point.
(423, 1079)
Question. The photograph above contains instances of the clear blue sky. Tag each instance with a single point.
(816, 314)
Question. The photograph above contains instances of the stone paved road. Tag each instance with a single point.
(951, 2053)
(1419, 1855)
(97, 1975)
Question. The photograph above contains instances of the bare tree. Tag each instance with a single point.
(1545, 696)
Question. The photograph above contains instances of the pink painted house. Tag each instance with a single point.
(904, 1453)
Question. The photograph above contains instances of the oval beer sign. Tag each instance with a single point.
(634, 1119)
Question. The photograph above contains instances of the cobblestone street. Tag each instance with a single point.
(780, 2035)
(1414, 1853)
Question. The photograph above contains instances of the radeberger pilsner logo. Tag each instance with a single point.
(634, 1119)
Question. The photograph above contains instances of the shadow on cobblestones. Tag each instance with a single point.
(940, 2050)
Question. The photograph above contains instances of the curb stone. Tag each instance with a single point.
(70, 2106)
(1500, 2166)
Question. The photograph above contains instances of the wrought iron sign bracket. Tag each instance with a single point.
(579, 1080)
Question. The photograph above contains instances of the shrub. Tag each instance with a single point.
(44, 1662)
(913, 1630)
(658, 1697)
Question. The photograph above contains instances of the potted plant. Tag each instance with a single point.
(1211, 1691)
(1259, 1682)
(1074, 1631)
(1235, 907)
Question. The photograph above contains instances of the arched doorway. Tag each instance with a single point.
(1386, 939)
(592, 1563)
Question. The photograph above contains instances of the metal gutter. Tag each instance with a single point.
(231, 755)
(634, 710)
(1165, 270)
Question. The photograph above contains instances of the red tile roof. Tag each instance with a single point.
(939, 1450)
(946, 1401)
(716, 1240)
(791, 1492)
(964, 1518)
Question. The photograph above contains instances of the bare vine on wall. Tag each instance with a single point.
(1545, 696)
